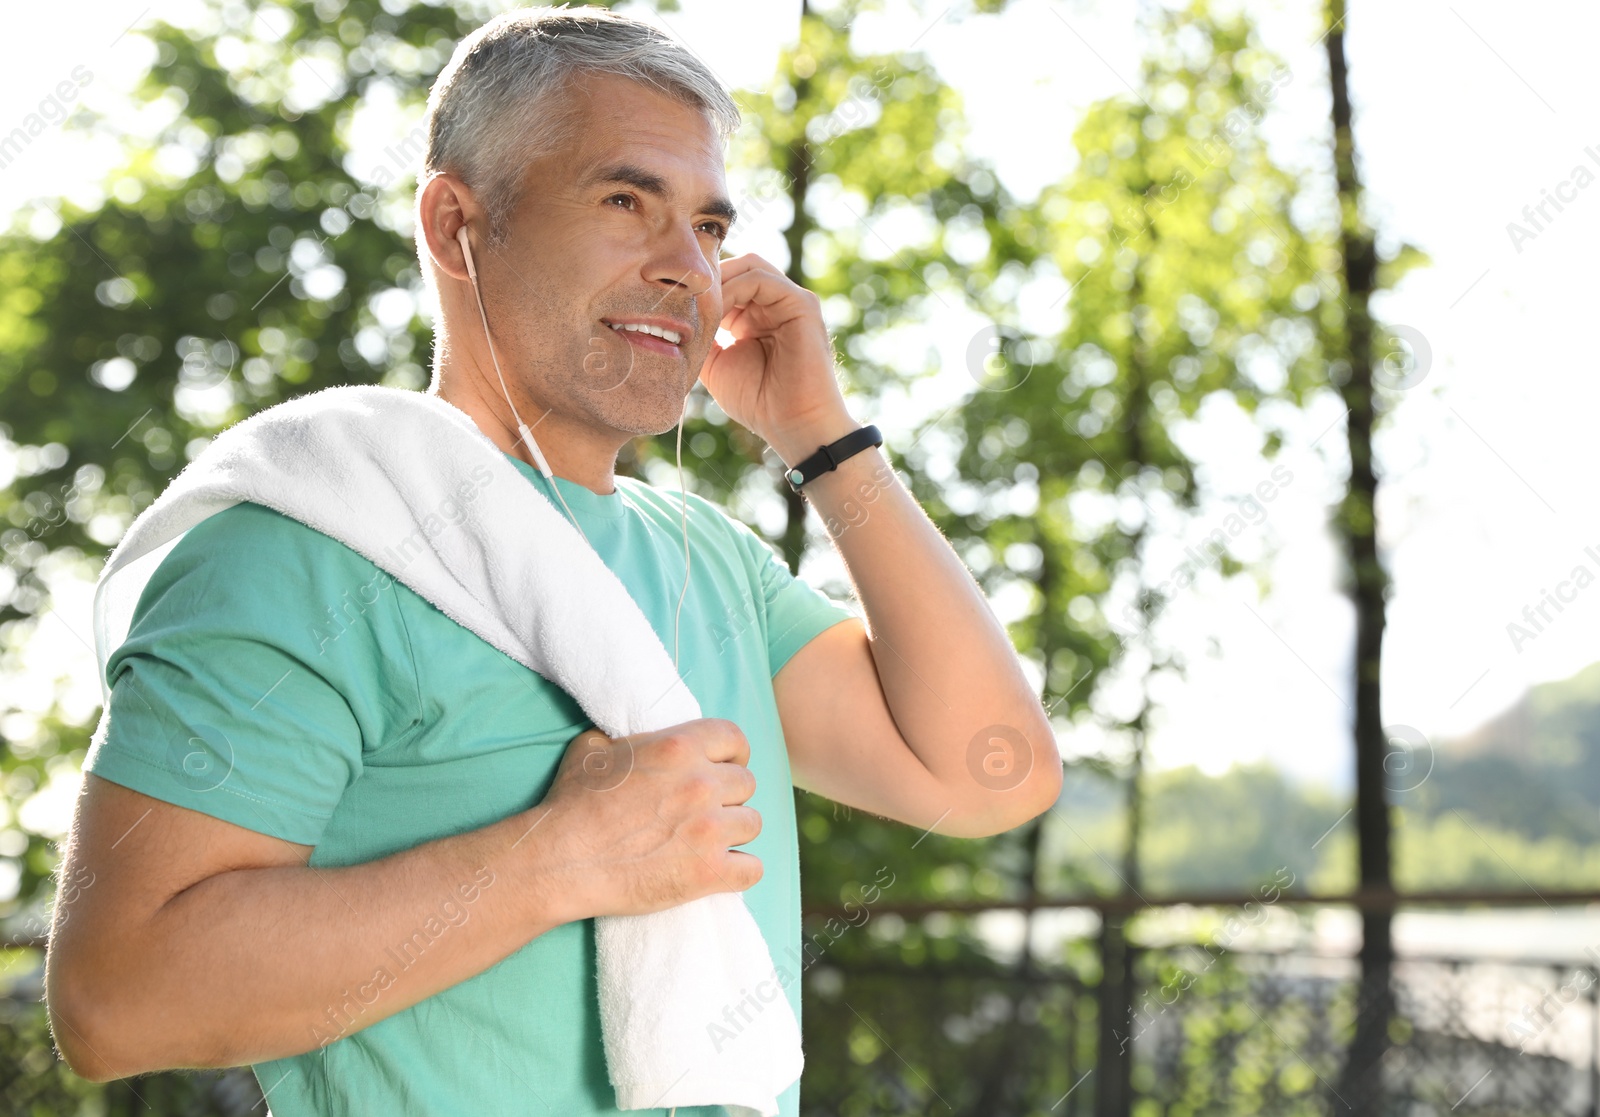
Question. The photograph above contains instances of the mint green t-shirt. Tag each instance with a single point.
(274, 678)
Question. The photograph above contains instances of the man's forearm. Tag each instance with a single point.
(263, 963)
(947, 667)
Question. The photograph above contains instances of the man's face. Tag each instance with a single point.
(625, 225)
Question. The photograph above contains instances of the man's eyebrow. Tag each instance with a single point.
(651, 183)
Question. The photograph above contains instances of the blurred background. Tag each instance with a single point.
(1233, 346)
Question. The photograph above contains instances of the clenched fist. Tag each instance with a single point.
(647, 822)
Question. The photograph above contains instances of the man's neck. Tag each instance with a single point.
(573, 452)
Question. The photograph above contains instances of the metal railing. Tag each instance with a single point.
(1204, 1028)
(930, 1021)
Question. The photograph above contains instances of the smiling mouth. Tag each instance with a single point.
(654, 331)
(655, 339)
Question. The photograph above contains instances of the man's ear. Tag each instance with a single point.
(444, 205)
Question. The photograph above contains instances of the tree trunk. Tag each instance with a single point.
(994, 1098)
(1113, 1093)
(1119, 981)
(1361, 1089)
(793, 540)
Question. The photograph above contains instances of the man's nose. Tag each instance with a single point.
(680, 261)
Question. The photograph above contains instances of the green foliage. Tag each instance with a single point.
(1231, 831)
(966, 1033)
(1455, 850)
(1240, 1047)
(876, 138)
(188, 301)
(1188, 276)
(1516, 801)
(848, 145)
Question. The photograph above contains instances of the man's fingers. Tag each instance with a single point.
(737, 265)
(774, 299)
(725, 741)
(742, 870)
(738, 784)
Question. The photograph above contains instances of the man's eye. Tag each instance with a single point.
(718, 229)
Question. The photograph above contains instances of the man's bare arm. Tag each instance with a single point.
(263, 956)
(187, 941)
(930, 720)
(931, 679)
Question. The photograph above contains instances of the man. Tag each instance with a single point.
(362, 850)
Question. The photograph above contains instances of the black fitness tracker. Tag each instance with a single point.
(828, 457)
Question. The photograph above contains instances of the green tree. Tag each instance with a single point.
(849, 142)
(235, 262)
(1188, 277)
(1351, 338)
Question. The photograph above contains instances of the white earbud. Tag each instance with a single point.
(544, 466)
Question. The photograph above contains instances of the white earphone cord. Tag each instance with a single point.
(544, 466)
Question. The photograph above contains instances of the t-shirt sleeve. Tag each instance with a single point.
(796, 611)
(254, 676)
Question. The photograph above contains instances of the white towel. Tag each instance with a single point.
(410, 482)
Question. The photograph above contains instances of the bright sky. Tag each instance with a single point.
(1466, 114)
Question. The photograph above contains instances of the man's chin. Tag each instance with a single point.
(647, 422)
(639, 408)
(666, 427)
(656, 416)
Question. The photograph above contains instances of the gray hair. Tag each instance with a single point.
(497, 104)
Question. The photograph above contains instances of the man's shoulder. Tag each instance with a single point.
(250, 556)
(260, 536)
(250, 573)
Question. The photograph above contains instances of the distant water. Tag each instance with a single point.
(1565, 934)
